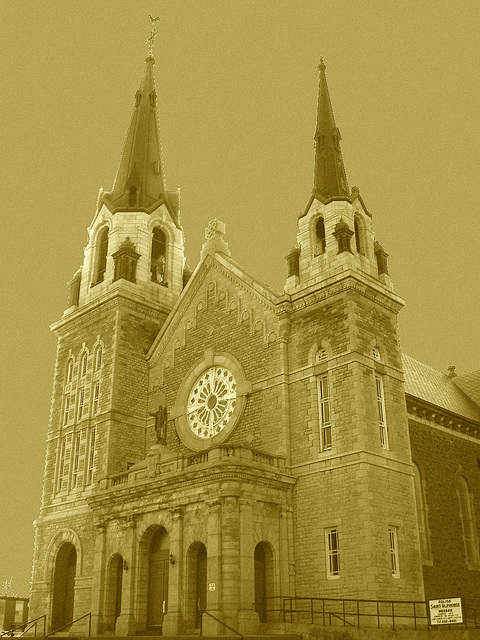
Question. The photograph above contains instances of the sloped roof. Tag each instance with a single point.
(435, 387)
(470, 384)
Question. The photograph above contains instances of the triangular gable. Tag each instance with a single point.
(232, 272)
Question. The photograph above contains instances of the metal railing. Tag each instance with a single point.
(360, 613)
(218, 620)
(69, 624)
(26, 626)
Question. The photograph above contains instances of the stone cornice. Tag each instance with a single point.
(439, 417)
(349, 281)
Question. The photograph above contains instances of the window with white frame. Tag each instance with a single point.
(467, 518)
(382, 422)
(69, 373)
(91, 456)
(66, 409)
(76, 457)
(61, 466)
(394, 563)
(96, 397)
(98, 358)
(81, 404)
(333, 552)
(324, 411)
(83, 364)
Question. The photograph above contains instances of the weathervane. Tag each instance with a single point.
(151, 38)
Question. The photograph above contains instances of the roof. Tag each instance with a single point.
(470, 384)
(437, 388)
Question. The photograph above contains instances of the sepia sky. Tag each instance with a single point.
(237, 88)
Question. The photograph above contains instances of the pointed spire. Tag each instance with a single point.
(330, 179)
(139, 183)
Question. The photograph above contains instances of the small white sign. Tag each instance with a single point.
(211, 586)
(445, 611)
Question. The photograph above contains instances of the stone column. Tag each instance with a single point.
(98, 584)
(173, 619)
(126, 622)
(214, 568)
(248, 622)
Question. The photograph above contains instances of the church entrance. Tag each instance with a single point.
(158, 564)
(196, 584)
(263, 576)
(114, 593)
(64, 586)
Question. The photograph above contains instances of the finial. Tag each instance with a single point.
(321, 66)
(151, 38)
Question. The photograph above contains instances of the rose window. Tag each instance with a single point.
(211, 402)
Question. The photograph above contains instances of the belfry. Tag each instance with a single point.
(217, 448)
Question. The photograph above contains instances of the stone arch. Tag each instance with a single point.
(153, 576)
(196, 583)
(67, 535)
(360, 233)
(318, 234)
(264, 577)
(377, 350)
(113, 591)
(63, 585)
(320, 351)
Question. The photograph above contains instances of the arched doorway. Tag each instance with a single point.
(114, 592)
(64, 585)
(263, 575)
(196, 583)
(158, 561)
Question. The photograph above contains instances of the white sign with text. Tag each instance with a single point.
(446, 611)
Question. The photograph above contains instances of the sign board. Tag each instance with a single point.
(445, 611)
(211, 586)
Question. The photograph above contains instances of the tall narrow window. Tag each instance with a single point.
(61, 466)
(76, 455)
(324, 411)
(381, 412)
(83, 364)
(69, 376)
(91, 457)
(98, 359)
(333, 553)
(81, 404)
(101, 256)
(96, 397)
(158, 256)
(320, 241)
(358, 237)
(467, 517)
(66, 409)
(394, 565)
(425, 552)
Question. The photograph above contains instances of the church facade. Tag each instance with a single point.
(214, 444)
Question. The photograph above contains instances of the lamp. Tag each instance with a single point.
(171, 558)
(125, 565)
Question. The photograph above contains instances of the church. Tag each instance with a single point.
(216, 445)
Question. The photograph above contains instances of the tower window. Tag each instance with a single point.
(66, 410)
(358, 236)
(81, 404)
(91, 457)
(333, 553)
(320, 241)
(394, 564)
(96, 397)
(425, 553)
(69, 375)
(381, 412)
(76, 457)
(98, 359)
(158, 256)
(101, 256)
(83, 366)
(324, 412)
(61, 465)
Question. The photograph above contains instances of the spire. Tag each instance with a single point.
(330, 179)
(139, 183)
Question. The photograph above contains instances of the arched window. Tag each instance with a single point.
(158, 256)
(69, 372)
(425, 552)
(101, 256)
(467, 518)
(98, 358)
(376, 354)
(320, 241)
(358, 236)
(83, 364)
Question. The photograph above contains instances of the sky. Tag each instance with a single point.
(237, 87)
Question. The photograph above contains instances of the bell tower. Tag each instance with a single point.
(354, 468)
(131, 276)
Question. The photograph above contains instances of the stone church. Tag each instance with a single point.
(215, 445)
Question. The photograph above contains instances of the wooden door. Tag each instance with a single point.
(158, 580)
